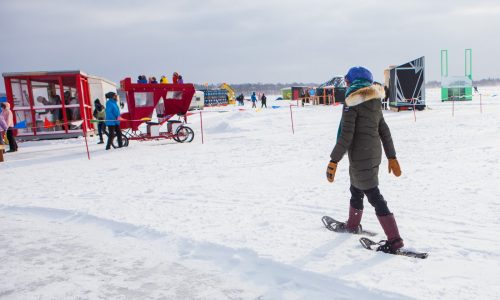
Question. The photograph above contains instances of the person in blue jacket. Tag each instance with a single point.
(254, 100)
(112, 114)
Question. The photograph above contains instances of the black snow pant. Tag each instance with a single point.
(114, 130)
(374, 197)
(101, 128)
(12, 139)
(263, 104)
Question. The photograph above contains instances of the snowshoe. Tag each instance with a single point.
(337, 226)
(389, 247)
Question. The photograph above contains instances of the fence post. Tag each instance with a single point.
(481, 102)
(84, 131)
(201, 123)
(414, 106)
(291, 117)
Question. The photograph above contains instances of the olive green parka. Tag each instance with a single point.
(362, 129)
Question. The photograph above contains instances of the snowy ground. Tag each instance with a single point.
(238, 217)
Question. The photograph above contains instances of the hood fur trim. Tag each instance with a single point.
(365, 94)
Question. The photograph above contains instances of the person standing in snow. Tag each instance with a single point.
(112, 115)
(3, 128)
(254, 100)
(240, 99)
(263, 99)
(100, 115)
(361, 129)
(9, 118)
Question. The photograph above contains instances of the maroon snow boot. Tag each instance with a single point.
(353, 223)
(394, 241)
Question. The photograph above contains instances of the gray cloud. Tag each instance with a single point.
(245, 41)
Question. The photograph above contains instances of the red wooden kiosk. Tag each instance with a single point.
(49, 104)
(166, 100)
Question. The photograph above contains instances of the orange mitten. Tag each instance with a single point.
(394, 167)
(330, 171)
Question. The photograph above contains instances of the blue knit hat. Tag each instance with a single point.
(356, 73)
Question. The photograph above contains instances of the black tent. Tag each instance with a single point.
(407, 85)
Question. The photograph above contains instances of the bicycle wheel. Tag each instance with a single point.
(124, 141)
(184, 134)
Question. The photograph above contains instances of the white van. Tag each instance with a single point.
(198, 101)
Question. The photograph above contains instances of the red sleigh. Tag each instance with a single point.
(168, 103)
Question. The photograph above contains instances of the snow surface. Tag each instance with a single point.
(239, 217)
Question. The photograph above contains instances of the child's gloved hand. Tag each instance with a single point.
(394, 167)
(330, 170)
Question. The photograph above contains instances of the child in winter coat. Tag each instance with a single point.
(361, 130)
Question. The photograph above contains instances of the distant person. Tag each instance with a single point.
(57, 112)
(3, 130)
(164, 79)
(175, 78)
(43, 114)
(362, 132)
(67, 100)
(476, 90)
(153, 80)
(263, 99)
(75, 111)
(72, 108)
(100, 115)
(9, 119)
(385, 101)
(112, 115)
(54, 115)
(142, 79)
(254, 100)
(240, 100)
(180, 80)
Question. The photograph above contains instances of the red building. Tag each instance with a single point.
(49, 104)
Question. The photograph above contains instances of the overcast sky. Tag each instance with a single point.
(234, 41)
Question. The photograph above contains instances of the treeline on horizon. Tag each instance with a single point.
(248, 88)
(275, 88)
(481, 82)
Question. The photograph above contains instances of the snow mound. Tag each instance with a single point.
(224, 127)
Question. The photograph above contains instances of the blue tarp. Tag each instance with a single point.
(3, 99)
(20, 125)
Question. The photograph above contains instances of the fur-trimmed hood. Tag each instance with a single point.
(368, 93)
